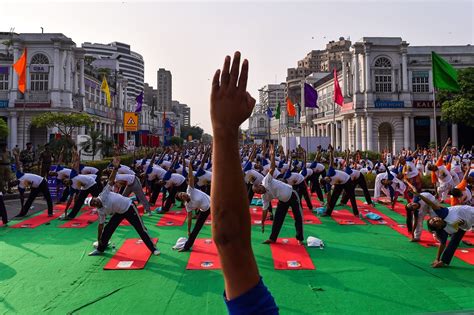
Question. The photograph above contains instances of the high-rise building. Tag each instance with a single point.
(164, 88)
(150, 97)
(272, 94)
(130, 63)
(183, 112)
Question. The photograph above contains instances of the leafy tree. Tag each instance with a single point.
(93, 144)
(195, 131)
(176, 141)
(206, 138)
(107, 146)
(458, 107)
(3, 129)
(66, 123)
(56, 145)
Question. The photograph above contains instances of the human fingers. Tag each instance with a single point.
(244, 76)
(234, 71)
(225, 72)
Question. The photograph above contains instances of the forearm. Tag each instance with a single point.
(440, 251)
(230, 216)
(190, 221)
(99, 231)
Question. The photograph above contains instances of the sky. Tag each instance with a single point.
(192, 38)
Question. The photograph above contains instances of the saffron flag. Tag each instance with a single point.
(290, 108)
(445, 77)
(269, 112)
(20, 69)
(310, 96)
(338, 98)
(105, 88)
(277, 115)
(139, 100)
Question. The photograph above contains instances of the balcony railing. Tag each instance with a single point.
(4, 95)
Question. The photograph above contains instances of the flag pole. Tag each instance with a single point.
(333, 130)
(435, 122)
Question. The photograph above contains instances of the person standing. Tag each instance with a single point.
(45, 160)
(132, 184)
(5, 168)
(38, 185)
(3, 211)
(120, 208)
(27, 158)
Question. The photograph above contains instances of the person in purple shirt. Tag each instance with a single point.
(231, 105)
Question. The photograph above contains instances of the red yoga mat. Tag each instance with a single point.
(174, 218)
(81, 221)
(256, 216)
(288, 255)
(344, 217)
(465, 254)
(133, 254)
(203, 255)
(399, 208)
(38, 220)
(468, 238)
(308, 217)
(426, 240)
(365, 209)
(316, 203)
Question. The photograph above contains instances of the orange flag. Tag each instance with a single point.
(20, 69)
(290, 108)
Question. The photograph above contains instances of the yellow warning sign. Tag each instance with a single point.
(130, 121)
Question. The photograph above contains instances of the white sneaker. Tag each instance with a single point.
(149, 213)
(95, 252)
(156, 252)
(62, 217)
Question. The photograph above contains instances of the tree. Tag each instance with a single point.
(176, 141)
(458, 107)
(3, 129)
(93, 144)
(66, 123)
(194, 131)
(206, 138)
(107, 146)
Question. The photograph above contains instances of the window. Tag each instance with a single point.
(3, 81)
(383, 75)
(39, 81)
(261, 123)
(419, 82)
(39, 59)
(39, 75)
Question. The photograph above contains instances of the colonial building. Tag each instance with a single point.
(388, 97)
(259, 123)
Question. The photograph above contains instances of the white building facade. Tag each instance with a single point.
(388, 97)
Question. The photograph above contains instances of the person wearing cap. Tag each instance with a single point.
(194, 199)
(297, 181)
(416, 212)
(38, 185)
(357, 178)
(442, 174)
(410, 172)
(287, 197)
(319, 170)
(173, 183)
(119, 208)
(341, 181)
(461, 194)
(452, 221)
(132, 184)
(3, 211)
(5, 168)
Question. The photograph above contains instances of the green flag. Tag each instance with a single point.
(445, 77)
(277, 115)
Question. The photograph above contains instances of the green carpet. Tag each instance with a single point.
(363, 269)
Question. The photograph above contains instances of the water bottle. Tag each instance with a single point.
(113, 247)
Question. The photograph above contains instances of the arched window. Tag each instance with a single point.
(383, 75)
(39, 73)
(261, 123)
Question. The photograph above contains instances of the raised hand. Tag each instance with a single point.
(231, 104)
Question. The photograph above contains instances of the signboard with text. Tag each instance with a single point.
(425, 104)
(389, 104)
(130, 121)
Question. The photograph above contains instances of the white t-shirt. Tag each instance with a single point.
(83, 182)
(175, 180)
(424, 208)
(89, 170)
(156, 172)
(205, 178)
(112, 203)
(340, 178)
(166, 164)
(64, 173)
(443, 175)
(411, 170)
(253, 175)
(461, 217)
(275, 189)
(35, 180)
(309, 172)
(129, 178)
(355, 175)
(123, 169)
(199, 200)
(295, 179)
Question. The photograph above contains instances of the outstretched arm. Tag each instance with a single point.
(231, 105)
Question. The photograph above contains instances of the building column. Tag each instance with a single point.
(358, 134)
(412, 132)
(57, 65)
(14, 81)
(368, 82)
(13, 126)
(454, 135)
(432, 129)
(356, 74)
(338, 135)
(82, 86)
(363, 133)
(406, 131)
(344, 134)
(345, 82)
(404, 72)
(369, 132)
(68, 71)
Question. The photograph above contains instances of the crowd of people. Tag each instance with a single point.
(227, 177)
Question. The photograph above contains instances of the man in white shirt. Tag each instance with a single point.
(297, 181)
(194, 199)
(319, 170)
(132, 184)
(119, 207)
(37, 184)
(83, 185)
(174, 183)
(416, 212)
(287, 197)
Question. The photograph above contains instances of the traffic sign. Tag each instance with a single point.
(130, 121)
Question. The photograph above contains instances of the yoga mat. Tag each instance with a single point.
(426, 239)
(133, 254)
(399, 208)
(465, 254)
(364, 209)
(308, 217)
(344, 217)
(288, 255)
(81, 221)
(38, 220)
(256, 216)
(468, 238)
(203, 255)
(175, 218)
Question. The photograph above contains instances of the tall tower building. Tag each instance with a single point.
(164, 88)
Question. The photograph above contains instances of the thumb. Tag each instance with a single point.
(250, 101)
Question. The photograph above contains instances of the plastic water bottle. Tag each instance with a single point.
(113, 247)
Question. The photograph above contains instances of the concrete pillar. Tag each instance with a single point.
(338, 135)
(369, 133)
(404, 72)
(13, 127)
(406, 131)
(358, 136)
(57, 65)
(368, 82)
(344, 134)
(14, 87)
(355, 62)
(82, 86)
(454, 135)
(412, 132)
(363, 133)
(345, 83)
(432, 129)
(68, 71)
